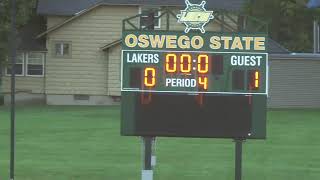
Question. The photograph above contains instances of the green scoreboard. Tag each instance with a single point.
(194, 85)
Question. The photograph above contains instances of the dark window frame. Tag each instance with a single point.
(62, 53)
(156, 16)
(8, 72)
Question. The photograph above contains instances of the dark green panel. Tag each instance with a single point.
(259, 115)
(182, 116)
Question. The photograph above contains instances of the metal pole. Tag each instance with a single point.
(154, 157)
(13, 62)
(238, 162)
(147, 172)
(316, 37)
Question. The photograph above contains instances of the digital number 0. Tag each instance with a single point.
(149, 77)
(171, 63)
(203, 64)
(185, 63)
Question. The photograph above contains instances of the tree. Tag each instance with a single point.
(290, 22)
(25, 11)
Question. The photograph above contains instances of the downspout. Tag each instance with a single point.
(107, 67)
(45, 78)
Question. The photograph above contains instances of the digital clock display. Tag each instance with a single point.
(183, 68)
(193, 72)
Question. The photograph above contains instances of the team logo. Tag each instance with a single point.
(195, 16)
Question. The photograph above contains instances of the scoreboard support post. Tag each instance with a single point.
(238, 158)
(147, 172)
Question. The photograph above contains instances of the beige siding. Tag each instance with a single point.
(34, 85)
(87, 71)
(54, 20)
(114, 71)
(294, 83)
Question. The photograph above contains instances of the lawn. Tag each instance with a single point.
(83, 143)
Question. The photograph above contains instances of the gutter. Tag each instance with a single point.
(296, 56)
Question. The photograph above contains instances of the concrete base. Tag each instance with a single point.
(147, 175)
(153, 161)
(25, 99)
(71, 100)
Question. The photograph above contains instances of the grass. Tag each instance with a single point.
(83, 143)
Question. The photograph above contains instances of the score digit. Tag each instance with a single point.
(256, 79)
(171, 63)
(203, 64)
(185, 63)
(150, 77)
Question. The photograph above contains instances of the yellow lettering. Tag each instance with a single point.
(143, 41)
(157, 41)
(131, 40)
(171, 41)
(259, 43)
(226, 41)
(215, 42)
(194, 43)
(184, 42)
(237, 44)
(247, 41)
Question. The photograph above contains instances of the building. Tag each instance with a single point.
(72, 56)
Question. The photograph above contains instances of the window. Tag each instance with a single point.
(29, 64)
(19, 70)
(62, 49)
(35, 64)
(144, 19)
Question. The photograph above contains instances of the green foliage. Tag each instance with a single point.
(290, 21)
(25, 10)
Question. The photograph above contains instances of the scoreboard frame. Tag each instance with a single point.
(210, 43)
(194, 92)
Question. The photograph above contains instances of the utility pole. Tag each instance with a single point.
(13, 54)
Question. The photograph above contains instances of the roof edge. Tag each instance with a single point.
(68, 20)
(110, 45)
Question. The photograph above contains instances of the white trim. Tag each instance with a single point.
(201, 52)
(27, 62)
(121, 75)
(267, 74)
(159, 19)
(196, 92)
(191, 92)
(23, 61)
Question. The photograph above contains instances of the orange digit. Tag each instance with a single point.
(149, 77)
(185, 63)
(203, 64)
(203, 81)
(171, 63)
(256, 79)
